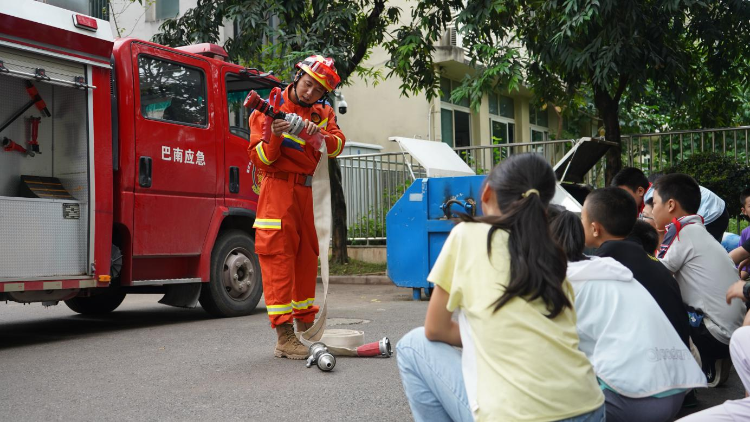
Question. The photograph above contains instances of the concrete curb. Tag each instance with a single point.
(359, 279)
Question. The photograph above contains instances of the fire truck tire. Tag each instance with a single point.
(96, 305)
(235, 286)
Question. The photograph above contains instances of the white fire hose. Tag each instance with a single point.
(340, 342)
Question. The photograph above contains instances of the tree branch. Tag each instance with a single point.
(364, 41)
(623, 83)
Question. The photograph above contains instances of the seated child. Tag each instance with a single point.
(740, 290)
(608, 218)
(647, 215)
(516, 323)
(745, 214)
(643, 366)
(646, 235)
(703, 270)
(712, 208)
(634, 182)
(732, 410)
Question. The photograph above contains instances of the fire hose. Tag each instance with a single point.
(320, 341)
(338, 341)
(253, 101)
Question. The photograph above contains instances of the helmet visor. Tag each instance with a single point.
(323, 74)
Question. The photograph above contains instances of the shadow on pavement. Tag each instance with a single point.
(52, 329)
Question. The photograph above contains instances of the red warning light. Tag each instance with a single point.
(85, 22)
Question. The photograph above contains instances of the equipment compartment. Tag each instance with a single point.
(47, 236)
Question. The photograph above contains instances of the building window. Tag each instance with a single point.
(503, 106)
(455, 117)
(167, 9)
(502, 124)
(172, 92)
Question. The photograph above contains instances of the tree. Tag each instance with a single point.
(275, 34)
(689, 50)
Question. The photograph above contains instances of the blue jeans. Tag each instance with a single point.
(434, 384)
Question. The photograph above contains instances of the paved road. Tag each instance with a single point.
(147, 361)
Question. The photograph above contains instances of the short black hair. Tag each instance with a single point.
(631, 177)
(650, 201)
(646, 235)
(682, 188)
(743, 196)
(613, 208)
(566, 229)
(653, 177)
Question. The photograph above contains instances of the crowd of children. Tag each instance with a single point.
(525, 326)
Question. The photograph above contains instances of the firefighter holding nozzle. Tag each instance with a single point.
(285, 237)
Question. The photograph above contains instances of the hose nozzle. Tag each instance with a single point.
(320, 356)
(253, 101)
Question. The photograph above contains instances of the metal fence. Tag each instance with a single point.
(660, 150)
(372, 183)
(483, 158)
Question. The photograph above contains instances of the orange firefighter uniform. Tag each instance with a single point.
(285, 237)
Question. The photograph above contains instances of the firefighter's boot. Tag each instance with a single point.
(302, 326)
(288, 345)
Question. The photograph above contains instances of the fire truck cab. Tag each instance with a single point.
(124, 167)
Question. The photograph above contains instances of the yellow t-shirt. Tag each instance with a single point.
(528, 367)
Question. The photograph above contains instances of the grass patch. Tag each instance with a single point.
(733, 226)
(355, 267)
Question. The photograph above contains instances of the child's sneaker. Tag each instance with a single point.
(718, 372)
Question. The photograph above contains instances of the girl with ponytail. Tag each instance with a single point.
(505, 276)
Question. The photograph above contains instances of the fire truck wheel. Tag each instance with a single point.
(235, 286)
(103, 303)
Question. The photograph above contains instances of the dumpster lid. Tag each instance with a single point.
(584, 155)
(437, 158)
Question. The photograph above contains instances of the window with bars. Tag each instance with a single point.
(455, 117)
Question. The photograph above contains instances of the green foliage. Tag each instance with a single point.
(276, 34)
(718, 173)
(586, 54)
(356, 267)
(372, 224)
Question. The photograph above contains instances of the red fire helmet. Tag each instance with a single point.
(322, 70)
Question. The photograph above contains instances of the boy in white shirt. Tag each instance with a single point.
(703, 270)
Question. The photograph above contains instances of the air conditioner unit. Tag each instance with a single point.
(455, 37)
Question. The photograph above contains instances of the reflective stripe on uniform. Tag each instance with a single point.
(339, 146)
(323, 124)
(262, 154)
(267, 223)
(304, 304)
(294, 139)
(279, 309)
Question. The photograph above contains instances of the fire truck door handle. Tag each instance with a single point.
(144, 172)
(234, 179)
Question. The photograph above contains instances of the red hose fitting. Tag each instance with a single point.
(9, 145)
(376, 348)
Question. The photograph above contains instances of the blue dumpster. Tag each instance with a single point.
(418, 224)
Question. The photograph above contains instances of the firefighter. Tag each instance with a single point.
(285, 237)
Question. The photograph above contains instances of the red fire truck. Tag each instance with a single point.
(124, 167)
